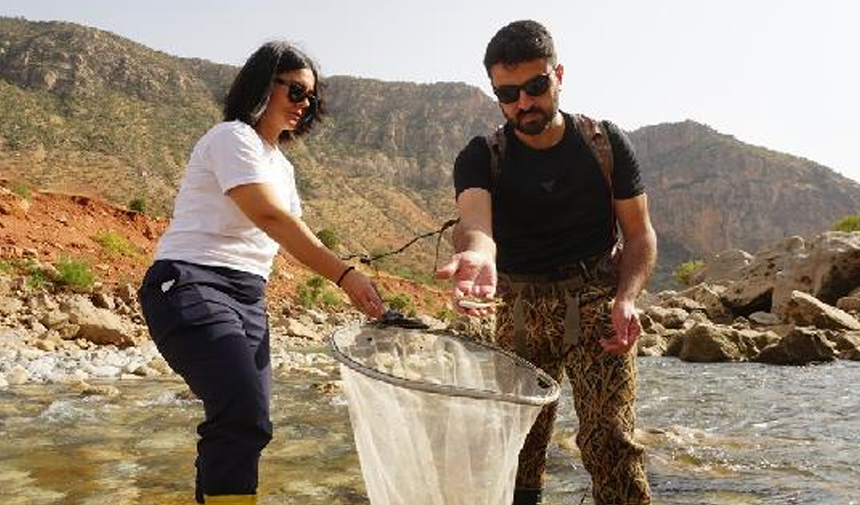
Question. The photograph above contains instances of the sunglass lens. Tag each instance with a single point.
(297, 93)
(508, 93)
(537, 86)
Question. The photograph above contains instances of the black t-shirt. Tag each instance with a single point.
(551, 207)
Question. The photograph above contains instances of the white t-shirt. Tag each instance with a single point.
(207, 227)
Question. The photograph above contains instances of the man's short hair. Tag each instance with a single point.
(520, 41)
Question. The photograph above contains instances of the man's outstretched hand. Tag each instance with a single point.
(474, 277)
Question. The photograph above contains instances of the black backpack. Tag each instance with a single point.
(592, 132)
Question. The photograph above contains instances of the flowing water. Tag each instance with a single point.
(716, 434)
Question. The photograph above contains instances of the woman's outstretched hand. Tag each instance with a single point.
(363, 294)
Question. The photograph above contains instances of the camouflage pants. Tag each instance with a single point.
(604, 386)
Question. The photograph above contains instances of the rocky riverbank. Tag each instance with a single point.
(75, 338)
(794, 303)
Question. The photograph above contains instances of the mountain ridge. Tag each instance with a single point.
(87, 110)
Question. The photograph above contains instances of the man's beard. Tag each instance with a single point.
(534, 125)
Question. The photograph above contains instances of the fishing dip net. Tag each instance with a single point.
(437, 419)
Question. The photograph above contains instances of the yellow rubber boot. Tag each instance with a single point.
(231, 499)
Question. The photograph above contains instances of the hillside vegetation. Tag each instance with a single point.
(86, 111)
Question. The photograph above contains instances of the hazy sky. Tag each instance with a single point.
(783, 74)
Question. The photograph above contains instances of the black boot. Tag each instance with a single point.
(524, 496)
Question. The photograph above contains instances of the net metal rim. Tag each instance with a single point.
(552, 391)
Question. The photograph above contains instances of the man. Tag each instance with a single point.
(546, 219)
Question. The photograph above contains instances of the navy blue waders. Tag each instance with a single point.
(210, 324)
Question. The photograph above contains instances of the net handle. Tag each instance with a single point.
(477, 394)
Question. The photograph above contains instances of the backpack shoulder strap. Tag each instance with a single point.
(596, 137)
(496, 143)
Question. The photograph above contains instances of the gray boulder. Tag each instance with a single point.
(99, 326)
(803, 309)
(828, 268)
(800, 347)
(723, 266)
(710, 343)
(847, 344)
(753, 290)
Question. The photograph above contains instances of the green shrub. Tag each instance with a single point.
(401, 303)
(75, 274)
(137, 205)
(35, 277)
(21, 190)
(419, 277)
(684, 272)
(7, 267)
(316, 292)
(445, 315)
(114, 245)
(37, 280)
(328, 238)
(316, 282)
(329, 298)
(848, 223)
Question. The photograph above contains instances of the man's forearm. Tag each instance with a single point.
(637, 261)
(470, 239)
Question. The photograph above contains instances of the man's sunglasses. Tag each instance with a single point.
(510, 93)
(296, 92)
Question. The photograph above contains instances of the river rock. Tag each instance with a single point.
(674, 342)
(99, 390)
(127, 293)
(99, 326)
(17, 375)
(103, 371)
(800, 347)
(54, 318)
(753, 289)
(804, 309)
(709, 343)
(10, 305)
(103, 300)
(765, 318)
(671, 318)
(328, 387)
(847, 344)
(849, 304)
(300, 329)
(723, 266)
(683, 302)
(651, 345)
(710, 298)
(41, 301)
(828, 268)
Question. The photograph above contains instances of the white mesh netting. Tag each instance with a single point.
(437, 419)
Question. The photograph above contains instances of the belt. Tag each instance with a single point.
(569, 279)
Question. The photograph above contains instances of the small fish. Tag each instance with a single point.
(165, 286)
(475, 304)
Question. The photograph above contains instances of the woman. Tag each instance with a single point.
(203, 297)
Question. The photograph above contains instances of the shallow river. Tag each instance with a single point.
(716, 434)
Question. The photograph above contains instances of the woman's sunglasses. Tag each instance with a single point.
(296, 92)
(510, 93)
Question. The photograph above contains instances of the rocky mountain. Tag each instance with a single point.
(709, 191)
(87, 111)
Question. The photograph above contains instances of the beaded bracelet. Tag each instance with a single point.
(348, 270)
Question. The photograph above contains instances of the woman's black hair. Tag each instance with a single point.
(249, 93)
